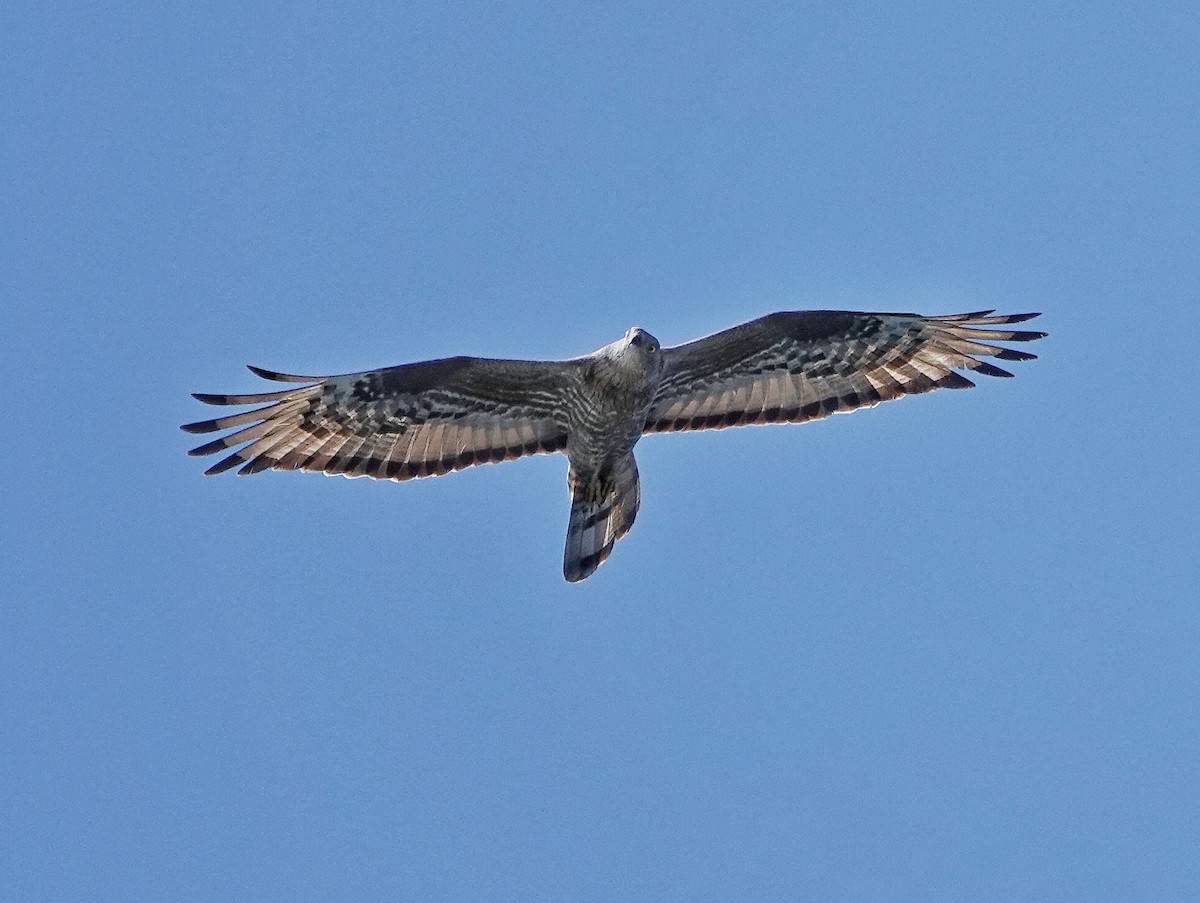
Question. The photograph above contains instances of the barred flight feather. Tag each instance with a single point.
(382, 424)
(885, 356)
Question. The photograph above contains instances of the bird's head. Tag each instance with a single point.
(633, 361)
(641, 349)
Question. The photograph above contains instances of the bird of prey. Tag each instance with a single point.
(429, 418)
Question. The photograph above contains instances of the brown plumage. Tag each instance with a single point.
(430, 418)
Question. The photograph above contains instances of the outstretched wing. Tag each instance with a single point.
(415, 420)
(803, 365)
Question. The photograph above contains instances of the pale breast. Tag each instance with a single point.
(605, 418)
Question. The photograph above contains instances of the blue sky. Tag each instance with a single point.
(946, 648)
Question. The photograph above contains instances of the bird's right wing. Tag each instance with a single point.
(802, 365)
(414, 420)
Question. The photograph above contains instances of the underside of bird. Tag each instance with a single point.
(434, 417)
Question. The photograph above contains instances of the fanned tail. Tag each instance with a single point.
(603, 509)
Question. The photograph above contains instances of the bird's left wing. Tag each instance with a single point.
(803, 365)
(414, 420)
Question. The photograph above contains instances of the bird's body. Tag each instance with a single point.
(425, 419)
(610, 395)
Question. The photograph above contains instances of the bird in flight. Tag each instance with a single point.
(429, 418)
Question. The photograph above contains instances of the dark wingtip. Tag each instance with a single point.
(208, 448)
(256, 465)
(208, 399)
(991, 370)
(225, 464)
(201, 426)
(1007, 354)
(278, 377)
(953, 380)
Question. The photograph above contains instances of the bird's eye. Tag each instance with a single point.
(651, 348)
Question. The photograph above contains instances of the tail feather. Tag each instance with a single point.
(602, 511)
